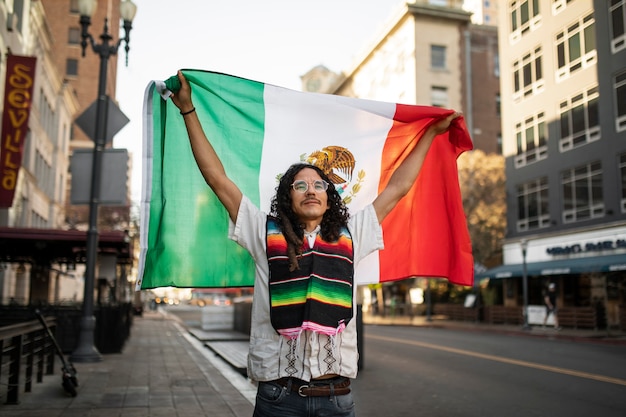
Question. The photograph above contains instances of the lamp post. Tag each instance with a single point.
(524, 245)
(86, 351)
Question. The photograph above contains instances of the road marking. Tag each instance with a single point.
(509, 361)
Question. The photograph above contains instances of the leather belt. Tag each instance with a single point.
(318, 388)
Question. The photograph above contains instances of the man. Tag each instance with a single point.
(550, 301)
(303, 346)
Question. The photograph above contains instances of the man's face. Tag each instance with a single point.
(311, 204)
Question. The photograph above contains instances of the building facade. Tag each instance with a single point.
(484, 12)
(39, 199)
(564, 140)
(82, 73)
(428, 53)
(41, 261)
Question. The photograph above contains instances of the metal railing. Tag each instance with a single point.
(26, 353)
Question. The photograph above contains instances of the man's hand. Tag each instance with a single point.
(443, 125)
(182, 98)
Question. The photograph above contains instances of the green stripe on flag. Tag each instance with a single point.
(188, 243)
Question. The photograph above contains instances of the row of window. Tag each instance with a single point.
(579, 123)
(575, 50)
(582, 196)
(525, 16)
(73, 38)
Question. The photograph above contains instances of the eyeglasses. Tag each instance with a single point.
(302, 186)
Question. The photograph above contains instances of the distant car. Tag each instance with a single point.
(200, 302)
(221, 301)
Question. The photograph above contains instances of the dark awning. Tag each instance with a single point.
(43, 246)
(559, 267)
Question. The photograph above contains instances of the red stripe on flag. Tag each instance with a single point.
(426, 233)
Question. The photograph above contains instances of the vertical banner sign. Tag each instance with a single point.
(18, 96)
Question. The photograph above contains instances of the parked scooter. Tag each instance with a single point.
(69, 374)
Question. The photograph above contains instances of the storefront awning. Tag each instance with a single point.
(559, 267)
(45, 246)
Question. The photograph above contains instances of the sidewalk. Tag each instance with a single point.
(164, 371)
(581, 335)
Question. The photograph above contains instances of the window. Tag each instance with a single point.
(531, 140)
(580, 122)
(439, 96)
(437, 57)
(498, 105)
(559, 5)
(18, 12)
(618, 23)
(47, 117)
(620, 101)
(582, 193)
(73, 37)
(524, 17)
(576, 47)
(43, 173)
(74, 6)
(38, 221)
(622, 170)
(532, 205)
(496, 65)
(528, 75)
(71, 66)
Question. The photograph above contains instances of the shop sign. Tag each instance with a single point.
(18, 96)
(605, 245)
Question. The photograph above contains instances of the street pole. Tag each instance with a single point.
(524, 246)
(86, 350)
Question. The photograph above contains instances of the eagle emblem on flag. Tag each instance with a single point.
(338, 163)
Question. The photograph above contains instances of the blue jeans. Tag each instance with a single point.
(274, 400)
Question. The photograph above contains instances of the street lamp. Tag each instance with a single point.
(524, 245)
(86, 351)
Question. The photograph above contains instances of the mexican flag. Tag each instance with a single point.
(258, 131)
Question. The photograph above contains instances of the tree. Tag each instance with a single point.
(482, 181)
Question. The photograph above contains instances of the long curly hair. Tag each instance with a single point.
(333, 220)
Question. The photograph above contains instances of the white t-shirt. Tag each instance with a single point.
(312, 355)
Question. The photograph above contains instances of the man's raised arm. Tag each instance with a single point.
(405, 175)
(208, 162)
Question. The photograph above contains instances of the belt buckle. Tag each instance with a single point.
(300, 388)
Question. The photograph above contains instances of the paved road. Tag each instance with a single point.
(444, 371)
(417, 371)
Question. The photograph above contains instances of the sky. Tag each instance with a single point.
(272, 41)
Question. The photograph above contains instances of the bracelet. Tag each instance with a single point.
(188, 111)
